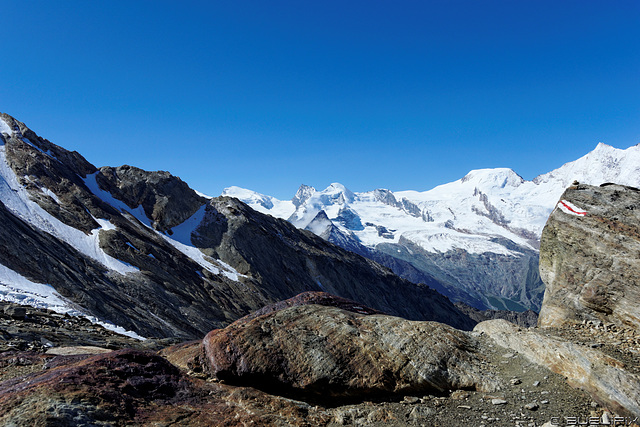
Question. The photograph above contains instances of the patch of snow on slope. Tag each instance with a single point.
(18, 289)
(181, 240)
(138, 212)
(17, 200)
(5, 128)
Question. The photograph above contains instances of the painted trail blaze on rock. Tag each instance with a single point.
(568, 207)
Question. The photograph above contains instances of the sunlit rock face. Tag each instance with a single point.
(337, 350)
(590, 257)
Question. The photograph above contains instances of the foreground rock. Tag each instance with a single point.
(328, 352)
(66, 386)
(603, 376)
(129, 387)
(589, 257)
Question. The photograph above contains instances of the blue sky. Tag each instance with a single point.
(268, 95)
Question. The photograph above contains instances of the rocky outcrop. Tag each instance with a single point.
(130, 387)
(330, 353)
(589, 257)
(166, 199)
(605, 377)
(65, 387)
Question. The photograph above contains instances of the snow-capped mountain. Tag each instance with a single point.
(490, 222)
(144, 251)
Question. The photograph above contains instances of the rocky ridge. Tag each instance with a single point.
(144, 251)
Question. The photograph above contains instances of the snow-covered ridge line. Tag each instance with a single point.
(469, 214)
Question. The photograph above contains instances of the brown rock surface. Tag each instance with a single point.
(331, 353)
(590, 264)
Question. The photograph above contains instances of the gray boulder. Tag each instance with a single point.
(589, 262)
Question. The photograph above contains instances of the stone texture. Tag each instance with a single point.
(605, 377)
(590, 264)
(332, 353)
(129, 387)
(526, 319)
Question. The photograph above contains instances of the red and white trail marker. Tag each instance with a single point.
(570, 208)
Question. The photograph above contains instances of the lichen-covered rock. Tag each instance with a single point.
(589, 257)
(332, 353)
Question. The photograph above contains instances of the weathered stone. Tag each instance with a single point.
(330, 353)
(139, 388)
(15, 312)
(589, 262)
(166, 199)
(601, 375)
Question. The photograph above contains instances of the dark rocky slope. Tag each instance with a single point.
(172, 294)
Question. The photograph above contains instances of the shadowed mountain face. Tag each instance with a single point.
(144, 251)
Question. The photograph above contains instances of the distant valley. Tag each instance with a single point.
(476, 240)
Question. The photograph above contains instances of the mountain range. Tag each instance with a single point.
(143, 252)
(475, 240)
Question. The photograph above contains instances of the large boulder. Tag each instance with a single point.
(328, 352)
(590, 257)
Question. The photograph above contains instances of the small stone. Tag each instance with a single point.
(531, 406)
(508, 355)
(464, 407)
(460, 394)
(594, 404)
(15, 312)
(516, 381)
(545, 402)
(410, 399)
(498, 402)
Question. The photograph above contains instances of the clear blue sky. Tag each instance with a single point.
(268, 95)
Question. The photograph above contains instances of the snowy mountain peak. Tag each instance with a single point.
(248, 196)
(604, 164)
(303, 194)
(338, 192)
(493, 178)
